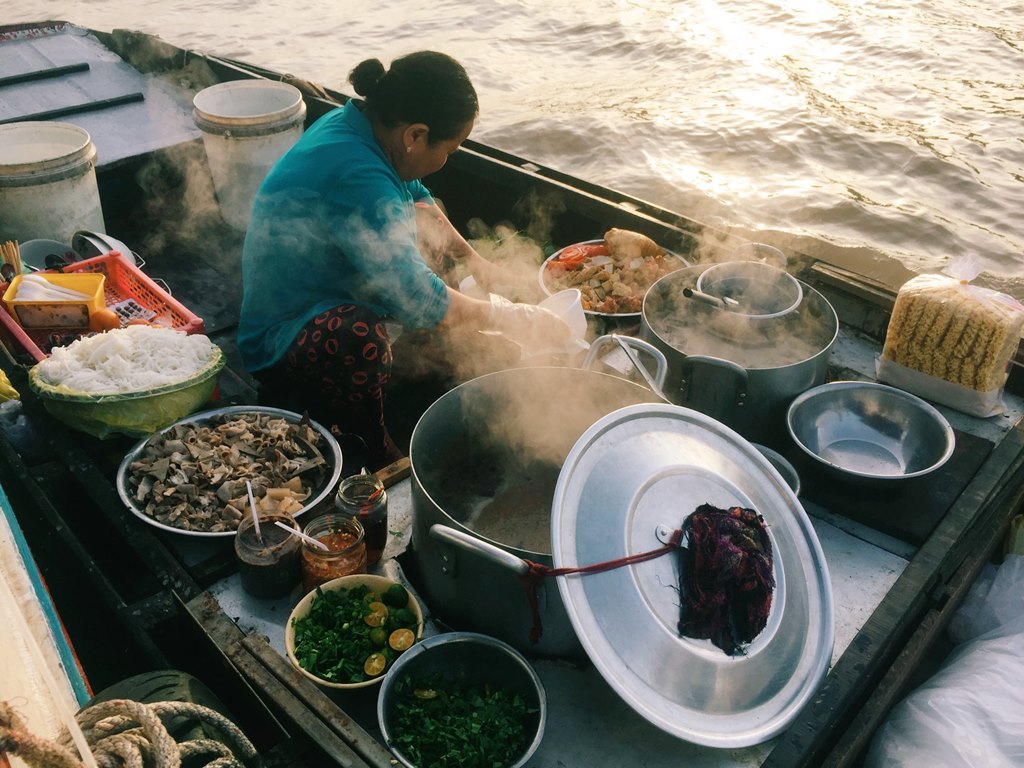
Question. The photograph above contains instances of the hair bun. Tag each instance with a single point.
(366, 75)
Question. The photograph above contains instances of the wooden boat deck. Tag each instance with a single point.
(900, 563)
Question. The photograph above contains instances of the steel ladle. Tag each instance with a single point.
(707, 298)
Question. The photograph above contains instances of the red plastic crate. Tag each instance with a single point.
(127, 281)
(124, 281)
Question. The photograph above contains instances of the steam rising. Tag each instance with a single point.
(489, 452)
(181, 207)
(695, 328)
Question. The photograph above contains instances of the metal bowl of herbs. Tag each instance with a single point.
(468, 697)
(348, 632)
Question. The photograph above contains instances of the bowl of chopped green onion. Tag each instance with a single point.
(349, 632)
(462, 700)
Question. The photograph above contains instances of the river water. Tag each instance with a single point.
(880, 135)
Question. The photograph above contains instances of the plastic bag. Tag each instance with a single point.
(7, 390)
(1015, 537)
(971, 712)
(952, 342)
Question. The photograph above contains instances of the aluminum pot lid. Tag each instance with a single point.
(635, 473)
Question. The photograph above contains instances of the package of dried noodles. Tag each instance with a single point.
(951, 342)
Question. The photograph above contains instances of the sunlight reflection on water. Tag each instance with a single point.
(836, 128)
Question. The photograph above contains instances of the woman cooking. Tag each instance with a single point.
(333, 250)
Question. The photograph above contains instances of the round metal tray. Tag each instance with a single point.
(549, 292)
(332, 452)
(635, 474)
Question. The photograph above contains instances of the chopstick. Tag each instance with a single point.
(12, 255)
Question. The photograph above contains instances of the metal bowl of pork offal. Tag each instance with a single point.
(292, 462)
(868, 433)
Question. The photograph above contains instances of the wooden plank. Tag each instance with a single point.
(299, 699)
(885, 509)
(86, 566)
(77, 109)
(215, 623)
(43, 74)
(318, 732)
(81, 463)
(395, 472)
(865, 289)
(223, 633)
(849, 749)
(313, 697)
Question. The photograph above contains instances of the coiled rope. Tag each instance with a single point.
(122, 733)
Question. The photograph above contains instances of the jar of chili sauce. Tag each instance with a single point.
(345, 553)
(363, 496)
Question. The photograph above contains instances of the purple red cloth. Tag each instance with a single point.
(336, 370)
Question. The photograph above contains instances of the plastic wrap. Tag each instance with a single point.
(136, 417)
(137, 414)
(971, 712)
(7, 390)
(951, 342)
(1015, 537)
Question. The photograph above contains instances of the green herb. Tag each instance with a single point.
(334, 641)
(448, 725)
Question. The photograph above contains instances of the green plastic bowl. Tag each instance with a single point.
(137, 414)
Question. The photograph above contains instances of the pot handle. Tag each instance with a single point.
(631, 345)
(723, 387)
(477, 546)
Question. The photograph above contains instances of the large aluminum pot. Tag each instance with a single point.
(485, 459)
(740, 370)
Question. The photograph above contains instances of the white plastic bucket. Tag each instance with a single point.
(247, 125)
(47, 182)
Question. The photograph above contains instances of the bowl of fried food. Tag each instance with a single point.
(462, 698)
(612, 274)
(195, 476)
(348, 632)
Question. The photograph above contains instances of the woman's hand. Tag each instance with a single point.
(527, 324)
(532, 327)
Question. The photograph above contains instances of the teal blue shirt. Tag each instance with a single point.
(332, 224)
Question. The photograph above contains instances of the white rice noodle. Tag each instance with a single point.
(131, 359)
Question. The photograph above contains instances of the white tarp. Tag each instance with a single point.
(33, 677)
(971, 712)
